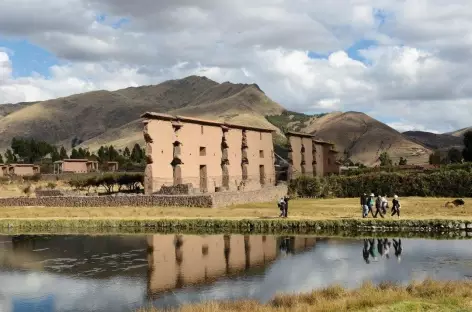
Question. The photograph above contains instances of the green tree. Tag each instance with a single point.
(74, 154)
(55, 156)
(1, 159)
(63, 153)
(467, 152)
(403, 161)
(127, 153)
(435, 158)
(10, 157)
(385, 159)
(454, 156)
(137, 154)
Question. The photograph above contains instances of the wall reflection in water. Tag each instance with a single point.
(176, 261)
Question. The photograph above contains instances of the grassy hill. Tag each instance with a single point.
(112, 117)
(435, 141)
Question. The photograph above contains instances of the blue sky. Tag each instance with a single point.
(28, 58)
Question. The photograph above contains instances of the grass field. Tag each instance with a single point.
(429, 295)
(415, 208)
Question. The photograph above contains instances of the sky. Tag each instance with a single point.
(406, 63)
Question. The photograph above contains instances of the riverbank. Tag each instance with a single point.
(305, 215)
(434, 296)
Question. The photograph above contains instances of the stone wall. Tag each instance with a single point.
(111, 201)
(56, 198)
(267, 194)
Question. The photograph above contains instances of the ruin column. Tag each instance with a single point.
(176, 161)
(224, 160)
(148, 179)
(244, 157)
(290, 161)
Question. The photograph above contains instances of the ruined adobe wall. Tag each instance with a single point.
(196, 136)
(159, 136)
(234, 138)
(77, 167)
(266, 194)
(320, 160)
(295, 155)
(308, 155)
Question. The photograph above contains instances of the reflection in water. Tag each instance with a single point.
(383, 249)
(204, 259)
(122, 273)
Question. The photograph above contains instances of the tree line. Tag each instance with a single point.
(454, 155)
(27, 150)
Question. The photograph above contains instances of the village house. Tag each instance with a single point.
(212, 156)
(111, 166)
(19, 169)
(75, 166)
(310, 157)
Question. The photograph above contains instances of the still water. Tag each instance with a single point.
(123, 273)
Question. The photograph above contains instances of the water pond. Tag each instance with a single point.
(122, 273)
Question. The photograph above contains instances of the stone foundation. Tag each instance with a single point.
(216, 200)
(267, 194)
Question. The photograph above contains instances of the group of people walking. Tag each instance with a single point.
(381, 205)
(283, 206)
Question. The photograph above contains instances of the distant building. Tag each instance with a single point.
(19, 169)
(207, 154)
(311, 157)
(111, 166)
(75, 166)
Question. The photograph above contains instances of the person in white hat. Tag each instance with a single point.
(396, 206)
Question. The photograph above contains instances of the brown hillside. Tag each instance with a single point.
(433, 140)
(461, 132)
(363, 138)
(102, 116)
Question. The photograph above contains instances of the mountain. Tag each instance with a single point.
(112, 118)
(435, 141)
(460, 132)
(359, 137)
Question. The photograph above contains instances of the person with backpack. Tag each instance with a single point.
(384, 204)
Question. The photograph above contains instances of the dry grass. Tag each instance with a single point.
(414, 208)
(425, 296)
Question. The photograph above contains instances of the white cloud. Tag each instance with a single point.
(417, 75)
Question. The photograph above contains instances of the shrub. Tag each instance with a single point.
(109, 181)
(34, 178)
(444, 183)
(51, 185)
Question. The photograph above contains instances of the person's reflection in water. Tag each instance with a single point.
(372, 250)
(380, 247)
(387, 248)
(365, 251)
(398, 249)
(285, 246)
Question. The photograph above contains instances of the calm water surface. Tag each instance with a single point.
(123, 273)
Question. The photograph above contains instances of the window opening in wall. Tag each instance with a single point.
(329, 161)
(261, 153)
(201, 129)
(260, 135)
(203, 151)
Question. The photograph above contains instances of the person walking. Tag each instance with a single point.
(396, 206)
(286, 199)
(364, 205)
(384, 204)
(378, 207)
(281, 205)
(370, 204)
